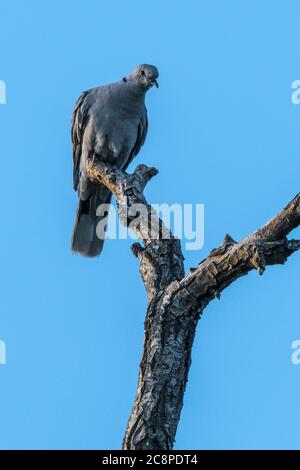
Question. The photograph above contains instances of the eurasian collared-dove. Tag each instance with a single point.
(110, 124)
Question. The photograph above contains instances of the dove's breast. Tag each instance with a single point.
(114, 127)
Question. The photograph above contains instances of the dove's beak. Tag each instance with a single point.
(154, 83)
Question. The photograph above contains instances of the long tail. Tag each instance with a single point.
(85, 240)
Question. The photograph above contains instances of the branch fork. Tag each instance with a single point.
(176, 301)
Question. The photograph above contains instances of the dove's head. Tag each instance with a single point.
(144, 76)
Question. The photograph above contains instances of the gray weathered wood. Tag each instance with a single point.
(176, 301)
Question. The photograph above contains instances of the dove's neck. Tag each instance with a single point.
(135, 91)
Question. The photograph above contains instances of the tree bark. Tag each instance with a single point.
(176, 301)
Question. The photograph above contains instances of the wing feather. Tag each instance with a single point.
(79, 120)
(141, 137)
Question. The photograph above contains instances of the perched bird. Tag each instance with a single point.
(109, 123)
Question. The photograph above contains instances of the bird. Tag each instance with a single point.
(109, 124)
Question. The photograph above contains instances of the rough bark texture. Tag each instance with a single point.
(176, 301)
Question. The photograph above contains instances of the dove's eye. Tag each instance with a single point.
(143, 72)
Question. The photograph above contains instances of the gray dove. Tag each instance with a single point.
(109, 123)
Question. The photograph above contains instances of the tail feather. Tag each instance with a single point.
(85, 240)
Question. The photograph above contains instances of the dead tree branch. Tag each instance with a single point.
(176, 301)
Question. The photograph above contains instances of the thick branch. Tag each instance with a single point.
(161, 260)
(175, 302)
(266, 246)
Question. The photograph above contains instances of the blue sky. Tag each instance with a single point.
(223, 132)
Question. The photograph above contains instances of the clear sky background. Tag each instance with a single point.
(223, 132)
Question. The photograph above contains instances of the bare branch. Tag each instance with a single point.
(161, 260)
(266, 246)
(283, 223)
(175, 302)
